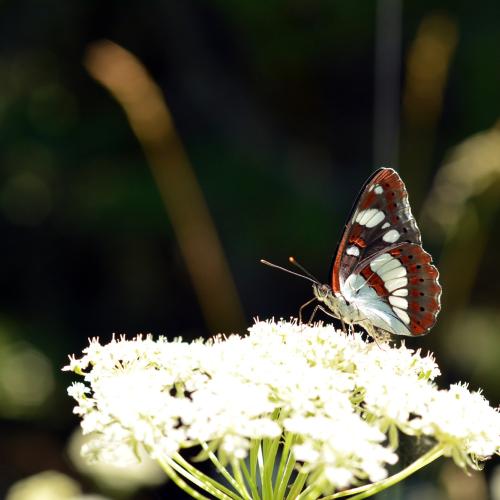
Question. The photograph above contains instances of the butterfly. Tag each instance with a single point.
(381, 278)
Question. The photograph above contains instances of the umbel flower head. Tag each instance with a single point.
(288, 408)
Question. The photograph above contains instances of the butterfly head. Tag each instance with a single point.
(325, 294)
(336, 303)
(322, 291)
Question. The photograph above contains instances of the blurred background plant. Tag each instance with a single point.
(152, 153)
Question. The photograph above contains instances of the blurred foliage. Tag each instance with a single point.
(273, 102)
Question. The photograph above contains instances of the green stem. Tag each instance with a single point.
(289, 465)
(269, 463)
(251, 480)
(180, 482)
(310, 493)
(260, 467)
(371, 489)
(235, 466)
(197, 477)
(254, 456)
(289, 438)
(222, 470)
(297, 486)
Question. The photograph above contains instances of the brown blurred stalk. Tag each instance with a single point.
(123, 75)
(427, 65)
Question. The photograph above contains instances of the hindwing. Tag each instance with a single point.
(405, 279)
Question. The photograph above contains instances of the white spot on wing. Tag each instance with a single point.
(379, 261)
(402, 292)
(397, 272)
(396, 283)
(391, 236)
(365, 215)
(377, 218)
(379, 189)
(391, 263)
(403, 315)
(385, 225)
(353, 250)
(398, 302)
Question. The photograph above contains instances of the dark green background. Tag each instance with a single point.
(274, 104)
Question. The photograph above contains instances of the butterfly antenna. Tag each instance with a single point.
(303, 269)
(308, 277)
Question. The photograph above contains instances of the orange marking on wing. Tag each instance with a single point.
(368, 200)
(375, 281)
(416, 328)
(414, 306)
(433, 289)
(355, 236)
(431, 304)
(360, 242)
(427, 320)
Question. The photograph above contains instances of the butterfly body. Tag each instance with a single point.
(381, 278)
(337, 305)
(360, 305)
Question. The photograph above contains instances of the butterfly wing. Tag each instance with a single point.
(381, 218)
(380, 264)
(397, 290)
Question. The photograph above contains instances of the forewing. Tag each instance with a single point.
(404, 278)
(381, 218)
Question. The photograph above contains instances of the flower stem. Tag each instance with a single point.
(235, 466)
(270, 452)
(251, 480)
(297, 486)
(180, 482)
(197, 477)
(285, 452)
(254, 455)
(222, 470)
(371, 489)
(286, 466)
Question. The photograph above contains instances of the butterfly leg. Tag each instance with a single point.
(377, 334)
(302, 307)
(313, 314)
(328, 313)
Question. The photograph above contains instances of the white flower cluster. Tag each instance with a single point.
(342, 399)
